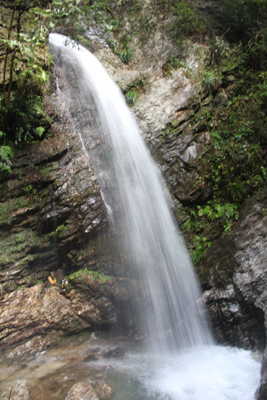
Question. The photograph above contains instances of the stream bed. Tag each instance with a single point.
(201, 373)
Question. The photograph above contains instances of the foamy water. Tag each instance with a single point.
(203, 373)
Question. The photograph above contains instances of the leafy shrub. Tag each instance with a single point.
(130, 98)
(6, 152)
(188, 20)
(26, 120)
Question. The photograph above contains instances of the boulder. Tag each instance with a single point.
(103, 390)
(82, 391)
(15, 391)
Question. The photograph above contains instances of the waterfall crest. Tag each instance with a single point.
(133, 192)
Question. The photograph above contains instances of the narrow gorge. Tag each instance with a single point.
(65, 283)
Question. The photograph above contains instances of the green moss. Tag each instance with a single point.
(21, 287)
(12, 205)
(12, 247)
(93, 274)
(5, 214)
(60, 231)
(15, 247)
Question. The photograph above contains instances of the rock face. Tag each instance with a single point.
(55, 276)
(53, 219)
(28, 312)
(165, 108)
(49, 203)
(235, 269)
(56, 256)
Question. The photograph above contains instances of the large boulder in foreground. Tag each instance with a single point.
(15, 391)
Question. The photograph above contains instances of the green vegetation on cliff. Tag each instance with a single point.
(234, 167)
(24, 64)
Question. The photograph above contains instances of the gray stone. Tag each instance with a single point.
(82, 391)
(103, 390)
(15, 391)
(235, 269)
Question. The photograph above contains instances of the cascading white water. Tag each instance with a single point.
(132, 191)
(132, 188)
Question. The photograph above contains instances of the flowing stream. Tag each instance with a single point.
(139, 211)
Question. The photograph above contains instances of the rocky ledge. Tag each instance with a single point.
(235, 271)
(55, 278)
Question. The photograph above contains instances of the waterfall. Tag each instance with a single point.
(133, 192)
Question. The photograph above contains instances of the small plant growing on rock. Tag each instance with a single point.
(125, 55)
(135, 91)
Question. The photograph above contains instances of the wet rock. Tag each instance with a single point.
(82, 391)
(35, 318)
(15, 391)
(64, 377)
(47, 204)
(166, 106)
(90, 357)
(261, 393)
(235, 271)
(60, 276)
(103, 390)
(34, 311)
(118, 352)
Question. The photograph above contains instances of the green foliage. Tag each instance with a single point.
(26, 120)
(6, 153)
(30, 190)
(244, 17)
(171, 64)
(188, 21)
(26, 61)
(94, 275)
(246, 21)
(200, 223)
(236, 160)
(60, 231)
(201, 246)
(130, 97)
(125, 55)
(211, 80)
(135, 90)
(234, 166)
(122, 49)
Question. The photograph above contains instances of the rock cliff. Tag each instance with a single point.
(54, 221)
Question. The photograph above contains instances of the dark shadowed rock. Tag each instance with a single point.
(118, 352)
(90, 357)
